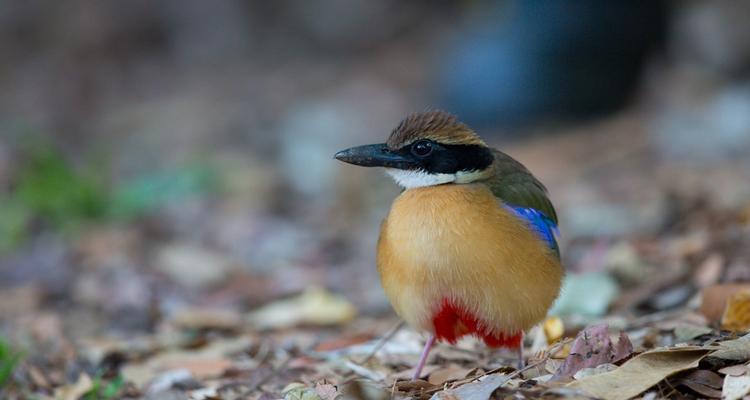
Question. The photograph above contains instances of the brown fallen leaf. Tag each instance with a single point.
(594, 347)
(736, 317)
(73, 391)
(413, 388)
(343, 342)
(326, 391)
(363, 390)
(735, 370)
(641, 372)
(208, 361)
(38, 378)
(206, 318)
(704, 382)
(714, 299)
(408, 373)
(737, 349)
(314, 306)
(200, 367)
(449, 373)
(480, 390)
(703, 390)
(705, 377)
(687, 332)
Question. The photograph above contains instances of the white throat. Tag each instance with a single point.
(409, 179)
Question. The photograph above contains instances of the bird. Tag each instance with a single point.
(470, 246)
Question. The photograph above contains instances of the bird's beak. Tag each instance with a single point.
(374, 155)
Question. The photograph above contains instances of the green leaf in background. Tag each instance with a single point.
(111, 390)
(14, 218)
(50, 188)
(101, 392)
(8, 361)
(155, 190)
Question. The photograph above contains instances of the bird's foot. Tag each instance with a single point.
(423, 358)
(520, 364)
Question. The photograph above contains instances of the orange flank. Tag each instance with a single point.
(459, 243)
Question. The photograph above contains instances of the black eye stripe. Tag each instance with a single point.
(449, 158)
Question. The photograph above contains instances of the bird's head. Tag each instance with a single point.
(426, 149)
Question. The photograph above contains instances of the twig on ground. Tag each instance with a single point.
(274, 371)
(383, 340)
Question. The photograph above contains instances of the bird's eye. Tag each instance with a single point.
(421, 148)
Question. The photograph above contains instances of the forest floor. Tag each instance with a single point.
(657, 302)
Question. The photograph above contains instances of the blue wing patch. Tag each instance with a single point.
(539, 223)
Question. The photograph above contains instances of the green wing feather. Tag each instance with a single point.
(512, 183)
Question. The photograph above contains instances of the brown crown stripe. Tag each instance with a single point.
(437, 125)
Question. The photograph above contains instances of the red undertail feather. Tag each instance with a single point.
(451, 323)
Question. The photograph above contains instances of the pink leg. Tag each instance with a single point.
(423, 358)
(519, 352)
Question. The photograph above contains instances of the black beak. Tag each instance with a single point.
(374, 155)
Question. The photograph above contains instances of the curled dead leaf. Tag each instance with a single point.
(641, 372)
(704, 382)
(736, 317)
(593, 347)
(714, 299)
(737, 349)
(314, 306)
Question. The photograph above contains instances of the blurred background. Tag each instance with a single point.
(163, 158)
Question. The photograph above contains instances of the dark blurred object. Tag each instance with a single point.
(548, 59)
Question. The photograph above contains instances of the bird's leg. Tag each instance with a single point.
(423, 357)
(519, 352)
